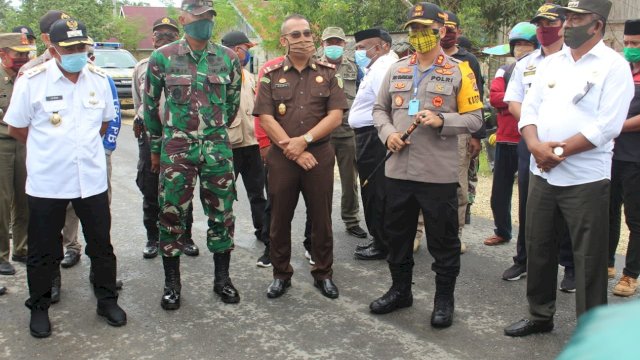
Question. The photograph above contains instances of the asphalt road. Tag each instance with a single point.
(301, 325)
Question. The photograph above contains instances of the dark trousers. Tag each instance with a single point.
(46, 220)
(439, 205)
(585, 208)
(369, 152)
(625, 189)
(504, 170)
(147, 182)
(286, 181)
(248, 163)
(565, 256)
(266, 219)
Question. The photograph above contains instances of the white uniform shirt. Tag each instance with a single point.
(551, 104)
(522, 77)
(65, 161)
(361, 111)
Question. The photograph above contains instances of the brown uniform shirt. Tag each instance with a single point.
(299, 100)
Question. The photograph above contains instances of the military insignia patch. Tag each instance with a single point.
(399, 85)
(339, 78)
(319, 79)
(448, 66)
(282, 80)
(265, 80)
(437, 101)
(398, 101)
(404, 70)
(444, 72)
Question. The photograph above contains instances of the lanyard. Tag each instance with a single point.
(415, 76)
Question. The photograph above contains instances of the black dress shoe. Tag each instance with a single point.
(442, 315)
(113, 313)
(370, 253)
(19, 258)
(392, 300)
(357, 231)
(364, 246)
(526, 327)
(150, 250)
(6, 268)
(3, 290)
(277, 288)
(327, 287)
(191, 250)
(71, 258)
(39, 326)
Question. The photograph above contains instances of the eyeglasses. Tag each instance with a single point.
(170, 35)
(585, 91)
(297, 34)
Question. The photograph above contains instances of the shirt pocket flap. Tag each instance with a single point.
(54, 106)
(93, 103)
(439, 88)
(178, 80)
(219, 79)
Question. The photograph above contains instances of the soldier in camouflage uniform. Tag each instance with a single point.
(202, 82)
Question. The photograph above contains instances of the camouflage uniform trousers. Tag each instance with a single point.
(474, 166)
(178, 174)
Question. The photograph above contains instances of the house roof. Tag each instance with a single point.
(148, 14)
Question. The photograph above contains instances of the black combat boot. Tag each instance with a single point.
(172, 286)
(443, 304)
(399, 295)
(222, 282)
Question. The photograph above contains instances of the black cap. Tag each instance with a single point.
(67, 32)
(165, 21)
(49, 18)
(24, 30)
(367, 34)
(632, 27)
(600, 7)
(386, 37)
(235, 38)
(550, 12)
(426, 14)
(452, 19)
(465, 43)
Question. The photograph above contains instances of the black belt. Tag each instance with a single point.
(364, 129)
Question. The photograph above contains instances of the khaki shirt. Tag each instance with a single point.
(6, 88)
(241, 131)
(450, 89)
(299, 100)
(348, 70)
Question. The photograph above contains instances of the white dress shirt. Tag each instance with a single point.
(360, 114)
(552, 106)
(522, 77)
(65, 161)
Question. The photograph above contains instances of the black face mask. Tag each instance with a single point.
(576, 36)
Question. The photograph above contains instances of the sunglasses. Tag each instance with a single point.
(165, 35)
(297, 34)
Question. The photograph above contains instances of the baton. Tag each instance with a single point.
(404, 137)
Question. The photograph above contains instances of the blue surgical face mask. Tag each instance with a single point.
(73, 63)
(334, 52)
(247, 57)
(362, 59)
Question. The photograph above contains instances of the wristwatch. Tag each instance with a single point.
(558, 150)
(308, 138)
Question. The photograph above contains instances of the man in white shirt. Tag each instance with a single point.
(374, 57)
(60, 109)
(572, 112)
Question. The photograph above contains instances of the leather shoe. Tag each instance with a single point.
(277, 288)
(227, 292)
(71, 258)
(39, 326)
(150, 250)
(494, 240)
(327, 287)
(19, 258)
(442, 315)
(526, 327)
(370, 253)
(391, 301)
(3, 290)
(113, 313)
(6, 268)
(364, 246)
(191, 250)
(357, 231)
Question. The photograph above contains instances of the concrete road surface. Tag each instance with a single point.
(300, 325)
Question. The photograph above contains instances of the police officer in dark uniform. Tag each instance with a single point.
(300, 101)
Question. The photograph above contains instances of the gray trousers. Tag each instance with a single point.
(585, 209)
(345, 149)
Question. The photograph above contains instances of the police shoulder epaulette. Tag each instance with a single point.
(273, 67)
(325, 64)
(96, 70)
(35, 70)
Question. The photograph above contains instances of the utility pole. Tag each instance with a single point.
(406, 3)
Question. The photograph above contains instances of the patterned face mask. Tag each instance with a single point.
(424, 40)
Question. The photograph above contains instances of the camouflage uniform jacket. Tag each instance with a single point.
(202, 98)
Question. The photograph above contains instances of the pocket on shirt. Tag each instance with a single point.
(320, 91)
(400, 92)
(216, 88)
(179, 88)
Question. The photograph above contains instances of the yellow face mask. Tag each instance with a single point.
(424, 40)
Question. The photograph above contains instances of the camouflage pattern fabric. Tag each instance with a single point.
(474, 166)
(202, 98)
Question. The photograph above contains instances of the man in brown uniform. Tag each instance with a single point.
(300, 101)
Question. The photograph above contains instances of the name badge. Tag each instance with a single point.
(53, 98)
(414, 107)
